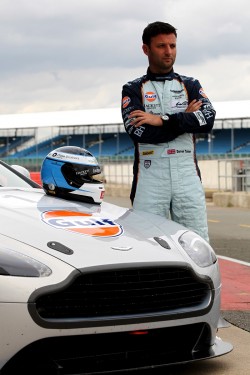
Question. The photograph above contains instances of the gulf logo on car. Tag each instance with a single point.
(150, 96)
(83, 223)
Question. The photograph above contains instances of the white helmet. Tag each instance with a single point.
(67, 173)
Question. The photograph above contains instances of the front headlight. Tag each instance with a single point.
(13, 263)
(197, 249)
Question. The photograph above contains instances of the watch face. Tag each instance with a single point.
(165, 117)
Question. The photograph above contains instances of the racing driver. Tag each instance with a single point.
(162, 111)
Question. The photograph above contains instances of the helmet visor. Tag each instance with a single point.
(78, 174)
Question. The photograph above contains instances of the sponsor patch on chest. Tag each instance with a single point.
(174, 151)
(147, 163)
(148, 152)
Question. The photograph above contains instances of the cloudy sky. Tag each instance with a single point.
(76, 54)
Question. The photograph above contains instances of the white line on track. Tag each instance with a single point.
(234, 260)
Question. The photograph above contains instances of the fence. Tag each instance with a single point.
(219, 174)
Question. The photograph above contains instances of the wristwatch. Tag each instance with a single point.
(165, 118)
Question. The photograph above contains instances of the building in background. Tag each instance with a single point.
(25, 139)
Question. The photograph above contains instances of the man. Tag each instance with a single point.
(162, 111)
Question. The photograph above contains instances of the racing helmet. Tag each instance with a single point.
(67, 172)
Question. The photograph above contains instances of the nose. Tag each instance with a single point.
(168, 50)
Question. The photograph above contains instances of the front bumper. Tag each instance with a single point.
(117, 351)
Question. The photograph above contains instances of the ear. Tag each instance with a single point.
(145, 49)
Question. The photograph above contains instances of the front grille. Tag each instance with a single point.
(126, 292)
(113, 352)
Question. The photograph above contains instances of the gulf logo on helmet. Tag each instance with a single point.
(150, 96)
(83, 223)
(125, 101)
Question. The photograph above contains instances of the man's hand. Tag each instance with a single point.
(139, 118)
(194, 106)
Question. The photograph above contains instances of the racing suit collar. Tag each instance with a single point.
(160, 77)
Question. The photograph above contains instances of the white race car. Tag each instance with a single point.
(97, 288)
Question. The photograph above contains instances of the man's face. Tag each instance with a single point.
(161, 53)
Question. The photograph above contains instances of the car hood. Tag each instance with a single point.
(86, 235)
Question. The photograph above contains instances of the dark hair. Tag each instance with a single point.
(156, 28)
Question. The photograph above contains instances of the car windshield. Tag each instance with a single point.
(10, 178)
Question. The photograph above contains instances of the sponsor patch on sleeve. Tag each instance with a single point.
(125, 101)
(200, 117)
(202, 93)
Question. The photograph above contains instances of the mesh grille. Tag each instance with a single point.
(126, 292)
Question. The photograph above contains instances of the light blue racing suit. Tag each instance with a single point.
(166, 175)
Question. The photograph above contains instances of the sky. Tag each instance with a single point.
(61, 55)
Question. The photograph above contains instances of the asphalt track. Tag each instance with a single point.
(229, 231)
